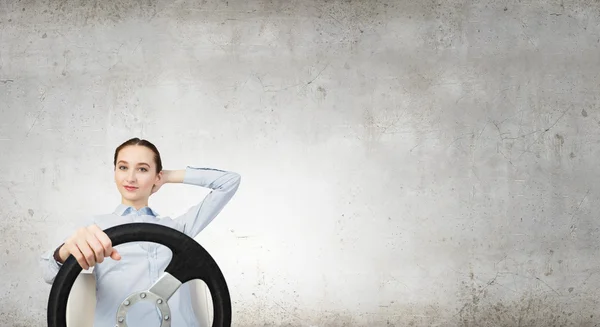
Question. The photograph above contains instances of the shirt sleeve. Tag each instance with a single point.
(49, 266)
(223, 185)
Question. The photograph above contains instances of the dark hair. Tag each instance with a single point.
(142, 142)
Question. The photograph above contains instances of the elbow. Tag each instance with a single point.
(48, 275)
(237, 179)
(49, 271)
(49, 279)
(233, 182)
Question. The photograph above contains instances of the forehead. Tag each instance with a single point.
(135, 154)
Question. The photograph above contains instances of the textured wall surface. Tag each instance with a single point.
(404, 163)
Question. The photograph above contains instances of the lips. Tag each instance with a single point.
(130, 188)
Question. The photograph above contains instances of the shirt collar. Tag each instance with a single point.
(124, 210)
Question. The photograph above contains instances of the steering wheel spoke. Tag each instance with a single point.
(165, 286)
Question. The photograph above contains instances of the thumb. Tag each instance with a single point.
(115, 255)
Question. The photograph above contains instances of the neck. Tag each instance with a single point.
(136, 204)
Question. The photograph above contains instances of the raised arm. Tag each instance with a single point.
(223, 185)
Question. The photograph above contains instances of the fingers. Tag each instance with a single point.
(103, 242)
(88, 254)
(91, 245)
(97, 248)
(75, 252)
(115, 255)
(109, 251)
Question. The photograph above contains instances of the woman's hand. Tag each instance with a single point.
(89, 245)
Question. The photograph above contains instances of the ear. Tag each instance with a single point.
(159, 176)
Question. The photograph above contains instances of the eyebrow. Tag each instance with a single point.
(141, 163)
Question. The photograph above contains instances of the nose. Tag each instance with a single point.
(131, 176)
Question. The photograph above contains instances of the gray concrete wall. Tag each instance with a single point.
(408, 163)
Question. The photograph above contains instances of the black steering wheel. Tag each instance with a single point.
(190, 261)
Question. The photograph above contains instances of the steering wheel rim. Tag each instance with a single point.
(189, 261)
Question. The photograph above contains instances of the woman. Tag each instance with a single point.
(137, 265)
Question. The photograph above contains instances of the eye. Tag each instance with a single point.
(122, 167)
(144, 169)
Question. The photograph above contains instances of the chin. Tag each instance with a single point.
(128, 196)
(132, 198)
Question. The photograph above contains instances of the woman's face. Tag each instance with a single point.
(135, 175)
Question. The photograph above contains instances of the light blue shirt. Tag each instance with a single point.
(142, 263)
